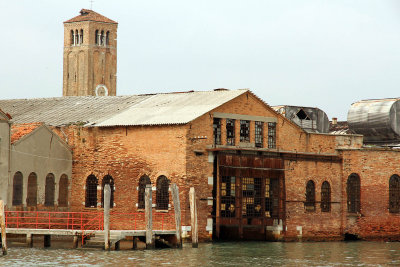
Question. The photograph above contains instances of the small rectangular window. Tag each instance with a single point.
(217, 131)
(230, 132)
(244, 131)
(271, 134)
(259, 133)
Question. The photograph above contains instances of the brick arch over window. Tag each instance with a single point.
(63, 191)
(107, 180)
(17, 189)
(353, 193)
(49, 190)
(31, 199)
(162, 196)
(310, 196)
(143, 181)
(394, 194)
(91, 191)
(326, 197)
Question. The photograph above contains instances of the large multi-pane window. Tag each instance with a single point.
(162, 193)
(259, 133)
(271, 134)
(310, 196)
(228, 196)
(325, 197)
(230, 132)
(244, 131)
(394, 194)
(143, 181)
(353, 193)
(217, 131)
(271, 197)
(251, 197)
(91, 191)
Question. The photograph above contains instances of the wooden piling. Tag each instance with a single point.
(75, 242)
(193, 217)
(150, 244)
(29, 240)
(3, 228)
(135, 242)
(177, 208)
(107, 197)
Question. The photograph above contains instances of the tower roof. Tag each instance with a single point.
(90, 15)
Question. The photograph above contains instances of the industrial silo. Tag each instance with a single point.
(377, 119)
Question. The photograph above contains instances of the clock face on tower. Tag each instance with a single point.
(101, 90)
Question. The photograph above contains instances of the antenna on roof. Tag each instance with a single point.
(91, 4)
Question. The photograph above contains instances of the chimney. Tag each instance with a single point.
(334, 121)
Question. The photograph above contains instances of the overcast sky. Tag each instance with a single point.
(326, 54)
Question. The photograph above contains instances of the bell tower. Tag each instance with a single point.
(90, 55)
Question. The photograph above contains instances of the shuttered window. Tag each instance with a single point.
(49, 190)
(63, 191)
(17, 189)
(31, 199)
(353, 193)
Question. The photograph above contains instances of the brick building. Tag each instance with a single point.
(257, 174)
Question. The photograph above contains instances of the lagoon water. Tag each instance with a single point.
(217, 254)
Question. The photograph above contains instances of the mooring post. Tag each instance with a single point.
(107, 198)
(177, 208)
(3, 228)
(193, 217)
(135, 242)
(29, 240)
(149, 217)
(75, 242)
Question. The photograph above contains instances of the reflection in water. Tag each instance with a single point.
(219, 254)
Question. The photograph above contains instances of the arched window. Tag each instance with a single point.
(143, 181)
(394, 194)
(76, 37)
(310, 196)
(31, 199)
(102, 38)
(63, 191)
(162, 196)
(72, 38)
(49, 190)
(91, 191)
(326, 197)
(81, 37)
(108, 38)
(353, 193)
(107, 180)
(17, 189)
(96, 37)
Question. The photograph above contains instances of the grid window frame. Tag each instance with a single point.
(259, 133)
(272, 135)
(245, 131)
(230, 132)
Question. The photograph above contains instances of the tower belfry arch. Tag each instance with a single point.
(90, 55)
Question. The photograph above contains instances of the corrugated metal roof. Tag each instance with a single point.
(157, 109)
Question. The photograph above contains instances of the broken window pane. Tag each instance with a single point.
(244, 131)
(271, 134)
(259, 133)
(217, 131)
(228, 208)
(230, 132)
